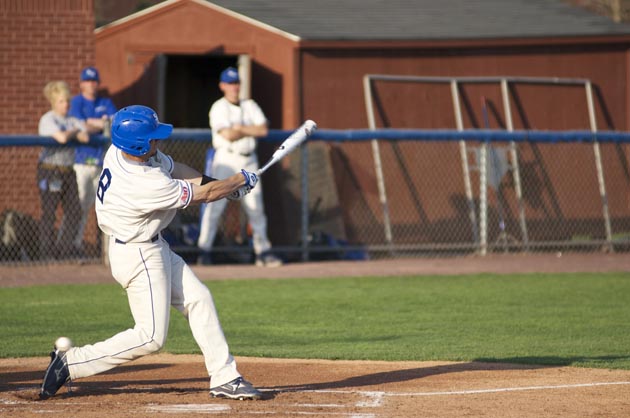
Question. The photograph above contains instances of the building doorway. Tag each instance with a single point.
(189, 86)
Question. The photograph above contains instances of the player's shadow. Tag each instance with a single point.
(397, 376)
(481, 364)
(18, 381)
(15, 380)
(549, 361)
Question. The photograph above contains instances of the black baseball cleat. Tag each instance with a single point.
(238, 388)
(57, 374)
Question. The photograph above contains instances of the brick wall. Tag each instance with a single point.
(40, 40)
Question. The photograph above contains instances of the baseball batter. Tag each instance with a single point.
(235, 126)
(139, 192)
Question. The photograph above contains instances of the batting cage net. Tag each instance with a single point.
(366, 194)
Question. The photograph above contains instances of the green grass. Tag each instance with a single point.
(561, 319)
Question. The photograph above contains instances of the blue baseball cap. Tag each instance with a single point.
(90, 74)
(230, 75)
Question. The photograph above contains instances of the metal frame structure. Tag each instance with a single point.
(480, 233)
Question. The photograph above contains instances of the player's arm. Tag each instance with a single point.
(219, 118)
(208, 189)
(185, 172)
(236, 132)
(96, 125)
(63, 137)
(240, 183)
(258, 126)
(76, 112)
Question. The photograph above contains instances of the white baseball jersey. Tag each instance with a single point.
(156, 196)
(224, 114)
(230, 158)
(134, 202)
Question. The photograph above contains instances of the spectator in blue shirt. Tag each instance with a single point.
(96, 112)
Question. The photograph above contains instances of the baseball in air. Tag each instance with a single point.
(63, 344)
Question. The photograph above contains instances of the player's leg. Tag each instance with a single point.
(210, 217)
(49, 201)
(211, 212)
(254, 208)
(87, 182)
(193, 299)
(71, 210)
(143, 270)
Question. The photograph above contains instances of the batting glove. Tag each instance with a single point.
(251, 179)
(238, 194)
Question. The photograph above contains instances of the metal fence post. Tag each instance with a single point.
(598, 165)
(464, 157)
(378, 167)
(304, 196)
(483, 198)
(516, 171)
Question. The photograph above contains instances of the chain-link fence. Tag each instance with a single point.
(424, 207)
(365, 199)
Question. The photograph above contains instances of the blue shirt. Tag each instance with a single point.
(82, 108)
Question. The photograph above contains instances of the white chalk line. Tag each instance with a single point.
(374, 400)
(472, 391)
(516, 389)
(221, 408)
(175, 408)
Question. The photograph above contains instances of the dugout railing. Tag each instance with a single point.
(429, 209)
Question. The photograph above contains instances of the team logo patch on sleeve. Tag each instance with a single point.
(185, 194)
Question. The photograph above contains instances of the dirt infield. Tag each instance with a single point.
(175, 386)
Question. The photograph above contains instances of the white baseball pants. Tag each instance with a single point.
(224, 165)
(156, 278)
(87, 182)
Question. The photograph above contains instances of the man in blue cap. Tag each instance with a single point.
(236, 124)
(96, 111)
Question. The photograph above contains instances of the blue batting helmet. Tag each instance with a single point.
(134, 126)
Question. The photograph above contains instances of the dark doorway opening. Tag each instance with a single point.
(191, 86)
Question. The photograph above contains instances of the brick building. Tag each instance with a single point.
(40, 41)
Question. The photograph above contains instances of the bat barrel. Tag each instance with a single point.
(296, 138)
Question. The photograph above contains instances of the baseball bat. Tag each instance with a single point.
(293, 141)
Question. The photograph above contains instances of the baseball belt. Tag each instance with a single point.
(155, 238)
